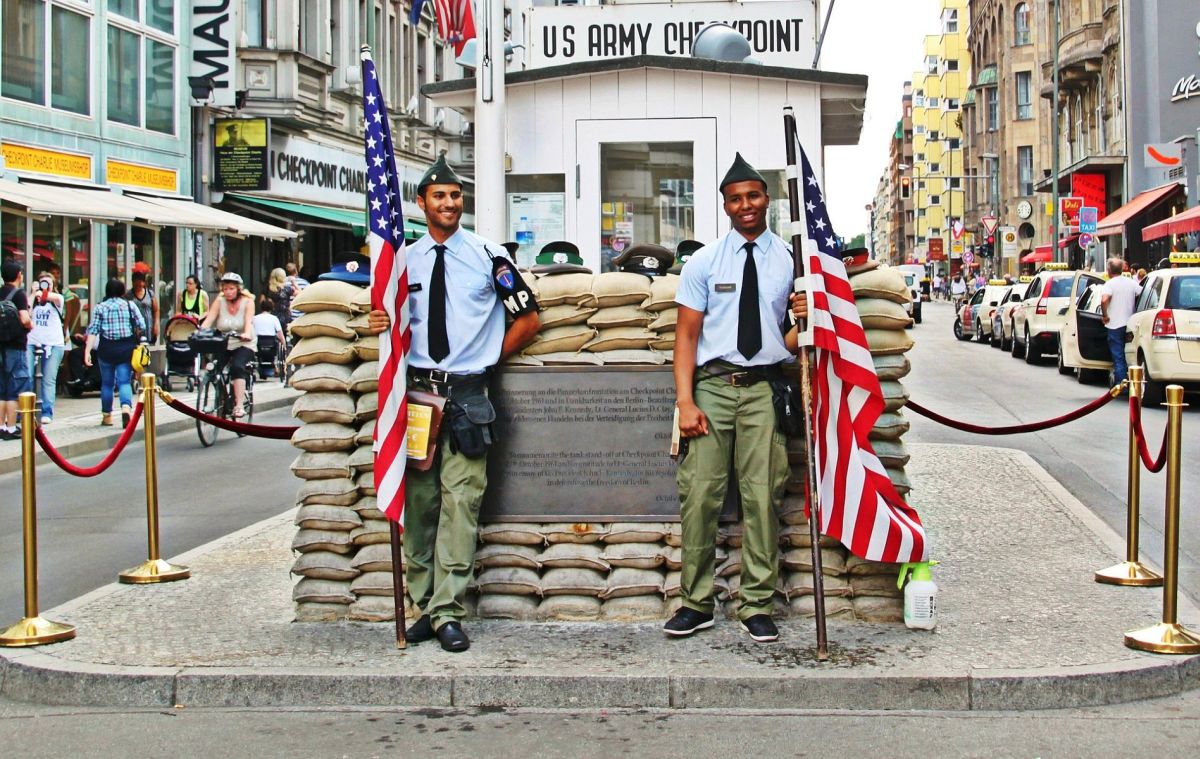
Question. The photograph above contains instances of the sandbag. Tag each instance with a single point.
(891, 367)
(365, 378)
(634, 555)
(857, 566)
(574, 532)
(361, 302)
(627, 581)
(521, 608)
(632, 609)
(666, 321)
(509, 580)
(643, 357)
(891, 452)
(558, 289)
(877, 313)
(316, 350)
(564, 315)
(319, 516)
(886, 342)
(323, 324)
(885, 283)
(339, 491)
(334, 541)
(326, 295)
(894, 395)
(365, 483)
(376, 557)
(620, 338)
(619, 316)
(372, 531)
(635, 532)
(367, 348)
(361, 325)
(570, 358)
(321, 466)
(324, 407)
(362, 459)
(320, 612)
(568, 608)
(889, 426)
(322, 377)
(878, 609)
(835, 606)
(365, 433)
(366, 407)
(324, 565)
(619, 288)
(322, 591)
(372, 609)
(560, 339)
(875, 585)
(504, 555)
(579, 555)
(572, 582)
(662, 293)
(373, 584)
(515, 533)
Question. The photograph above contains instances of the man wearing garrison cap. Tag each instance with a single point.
(460, 288)
(731, 339)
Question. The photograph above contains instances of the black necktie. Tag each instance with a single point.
(749, 340)
(439, 343)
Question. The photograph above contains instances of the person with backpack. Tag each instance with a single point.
(47, 342)
(115, 330)
(15, 323)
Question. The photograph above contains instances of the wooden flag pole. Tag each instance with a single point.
(398, 585)
(799, 270)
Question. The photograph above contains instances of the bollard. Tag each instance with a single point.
(1132, 572)
(154, 569)
(1169, 637)
(33, 630)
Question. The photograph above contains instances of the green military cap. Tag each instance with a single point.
(684, 251)
(559, 257)
(645, 258)
(741, 171)
(439, 173)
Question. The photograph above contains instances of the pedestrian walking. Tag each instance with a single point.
(279, 293)
(192, 301)
(140, 295)
(730, 351)
(47, 343)
(115, 329)
(15, 323)
(1117, 298)
(937, 286)
(460, 286)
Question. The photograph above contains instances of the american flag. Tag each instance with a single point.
(389, 292)
(456, 22)
(859, 505)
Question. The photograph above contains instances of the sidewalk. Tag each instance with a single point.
(1022, 627)
(76, 429)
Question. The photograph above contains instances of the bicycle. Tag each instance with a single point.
(215, 388)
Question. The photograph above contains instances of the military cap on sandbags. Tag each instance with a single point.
(858, 260)
(512, 248)
(354, 268)
(741, 171)
(559, 257)
(439, 173)
(645, 258)
(684, 251)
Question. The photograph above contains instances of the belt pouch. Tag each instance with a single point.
(470, 416)
(789, 411)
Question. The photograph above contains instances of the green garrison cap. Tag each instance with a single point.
(741, 171)
(684, 251)
(559, 257)
(439, 173)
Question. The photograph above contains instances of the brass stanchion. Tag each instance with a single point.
(1132, 572)
(153, 569)
(1168, 636)
(33, 630)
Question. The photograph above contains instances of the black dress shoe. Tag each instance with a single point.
(452, 637)
(421, 631)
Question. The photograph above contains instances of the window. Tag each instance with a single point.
(919, 101)
(955, 183)
(953, 143)
(920, 128)
(935, 168)
(920, 158)
(142, 66)
(992, 108)
(1024, 95)
(934, 134)
(1025, 169)
(951, 104)
(935, 200)
(31, 27)
(931, 64)
(933, 102)
(1021, 29)
(950, 21)
(952, 64)
(311, 22)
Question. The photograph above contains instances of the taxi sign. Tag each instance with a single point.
(1181, 257)
(1025, 279)
(998, 282)
(1055, 266)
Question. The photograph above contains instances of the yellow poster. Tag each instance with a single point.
(42, 161)
(419, 419)
(136, 175)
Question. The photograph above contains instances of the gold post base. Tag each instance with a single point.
(1130, 573)
(154, 570)
(35, 631)
(1164, 638)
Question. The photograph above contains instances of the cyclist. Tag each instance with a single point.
(234, 312)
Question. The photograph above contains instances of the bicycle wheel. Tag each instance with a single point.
(211, 402)
(248, 404)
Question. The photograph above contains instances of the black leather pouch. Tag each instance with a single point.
(470, 418)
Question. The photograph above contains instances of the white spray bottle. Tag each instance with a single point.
(920, 595)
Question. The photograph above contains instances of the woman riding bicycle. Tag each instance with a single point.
(234, 312)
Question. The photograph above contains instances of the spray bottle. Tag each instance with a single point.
(920, 595)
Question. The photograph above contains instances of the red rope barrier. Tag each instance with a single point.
(253, 430)
(1135, 418)
(106, 462)
(1015, 429)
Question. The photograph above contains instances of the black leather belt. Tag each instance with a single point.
(738, 376)
(438, 378)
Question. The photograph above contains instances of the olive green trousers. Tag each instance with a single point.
(741, 432)
(441, 526)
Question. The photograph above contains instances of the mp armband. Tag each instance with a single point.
(514, 294)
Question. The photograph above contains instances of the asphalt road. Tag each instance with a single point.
(91, 529)
(983, 385)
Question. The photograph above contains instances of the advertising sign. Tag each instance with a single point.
(1087, 219)
(240, 154)
(937, 250)
(42, 161)
(780, 33)
(1068, 210)
(1162, 155)
(1092, 187)
(214, 31)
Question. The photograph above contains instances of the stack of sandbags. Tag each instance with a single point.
(662, 304)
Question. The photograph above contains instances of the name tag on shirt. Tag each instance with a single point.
(726, 287)
(414, 287)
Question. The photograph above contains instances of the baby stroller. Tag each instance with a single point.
(182, 360)
(270, 358)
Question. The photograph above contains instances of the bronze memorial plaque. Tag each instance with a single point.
(582, 444)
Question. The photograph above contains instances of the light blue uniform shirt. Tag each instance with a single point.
(711, 282)
(474, 315)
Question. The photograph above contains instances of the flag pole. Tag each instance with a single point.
(398, 585)
(799, 270)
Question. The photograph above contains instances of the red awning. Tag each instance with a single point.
(1040, 254)
(1179, 224)
(1114, 223)
(1066, 241)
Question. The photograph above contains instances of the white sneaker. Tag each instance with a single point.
(45, 420)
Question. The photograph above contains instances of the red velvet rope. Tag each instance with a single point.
(106, 462)
(1135, 419)
(253, 430)
(1013, 429)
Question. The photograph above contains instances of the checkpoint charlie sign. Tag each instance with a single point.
(781, 33)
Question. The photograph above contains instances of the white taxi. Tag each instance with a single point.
(1083, 338)
(1163, 336)
(1002, 319)
(1042, 311)
(988, 307)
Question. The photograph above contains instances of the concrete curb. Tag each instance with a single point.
(105, 440)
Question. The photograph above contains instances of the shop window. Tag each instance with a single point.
(12, 238)
(1024, 95)
(77, 284)
(535, 205)
(646, 196)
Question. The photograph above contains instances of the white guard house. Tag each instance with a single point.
(616, 150)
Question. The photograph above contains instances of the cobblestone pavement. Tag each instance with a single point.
(1016, 593)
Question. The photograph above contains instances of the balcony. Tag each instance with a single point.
(1080, 55)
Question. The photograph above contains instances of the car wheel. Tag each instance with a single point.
(958, 330)
(1153, 393)
(1062, 367)
(1018, 350)
(1031, 352)
(995, 339)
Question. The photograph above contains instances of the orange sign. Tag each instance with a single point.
(136, 175)
(1068, 210)
(937, 251)
(42, 161)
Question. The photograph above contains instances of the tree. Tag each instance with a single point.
(858, 241)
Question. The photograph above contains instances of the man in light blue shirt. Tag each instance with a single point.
(460, 288)
(730, 341)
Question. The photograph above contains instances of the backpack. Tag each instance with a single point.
(11, 328)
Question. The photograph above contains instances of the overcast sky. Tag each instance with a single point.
(883, 39)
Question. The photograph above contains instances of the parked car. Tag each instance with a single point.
(914, 290)
(1041, 312)
(1163, 337)
(1083, 338)
(967, 316)
(1002, 318)
(987, 308)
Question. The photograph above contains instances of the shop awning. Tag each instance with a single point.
(1114, 223)
(207, 217)
(1179, 224)
(44, 200)
(343, 217)
(1040, 254)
